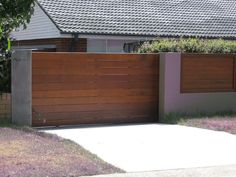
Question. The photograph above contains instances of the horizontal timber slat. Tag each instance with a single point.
(93, 71)
(81, 88)
(90, 100)
(94, 120)
(94, 85)
(89, 93)
(97, 113)
(207, 73)
(98, 78)
(92, 107)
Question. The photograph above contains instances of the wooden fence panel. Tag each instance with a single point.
(80, 88)
(5, 105)
(207, 73)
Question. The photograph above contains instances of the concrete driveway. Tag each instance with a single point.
(152, 147)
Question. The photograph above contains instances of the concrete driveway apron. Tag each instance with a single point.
(152, 147)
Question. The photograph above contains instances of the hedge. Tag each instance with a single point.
(190, 45)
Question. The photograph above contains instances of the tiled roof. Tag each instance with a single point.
(202, 18)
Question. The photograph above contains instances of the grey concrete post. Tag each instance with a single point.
(22, 87)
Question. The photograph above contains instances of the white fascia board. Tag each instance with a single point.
(115, 37)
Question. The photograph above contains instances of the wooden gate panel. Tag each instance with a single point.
(80, 88)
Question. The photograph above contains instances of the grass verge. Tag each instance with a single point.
(221, 121)
(25, 152)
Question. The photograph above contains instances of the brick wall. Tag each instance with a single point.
(5, 105)
(62, 44)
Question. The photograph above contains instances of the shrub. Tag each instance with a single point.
(190, 45)
(5, 76)
(13, 13)
(5, 67)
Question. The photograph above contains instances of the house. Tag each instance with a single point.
(117, 25)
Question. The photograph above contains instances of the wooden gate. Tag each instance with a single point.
(82, 88)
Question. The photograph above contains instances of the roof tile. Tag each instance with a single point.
(205, 18)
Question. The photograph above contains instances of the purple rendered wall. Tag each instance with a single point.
(172, 100)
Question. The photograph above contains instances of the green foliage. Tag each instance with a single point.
(6, 122)
(5, 76)
(190, 45)
(165, 46)
(13, 13)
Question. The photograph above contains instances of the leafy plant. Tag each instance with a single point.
(13, 13)
(190, 45)
(5, 76)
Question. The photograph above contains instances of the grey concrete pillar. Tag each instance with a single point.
(171, 100)
(22, 87)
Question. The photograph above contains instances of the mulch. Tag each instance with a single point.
(28, 153)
